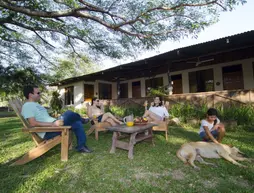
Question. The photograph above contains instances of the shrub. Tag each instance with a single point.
(56, 103)
(124, 111)
(243, 114)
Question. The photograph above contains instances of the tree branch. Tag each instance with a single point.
(79, 12)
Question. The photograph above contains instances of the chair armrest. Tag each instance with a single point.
(46, 129)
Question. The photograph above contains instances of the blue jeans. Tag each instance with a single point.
(74, 120)
(215, 134)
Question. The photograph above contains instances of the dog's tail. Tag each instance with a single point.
(179, 155)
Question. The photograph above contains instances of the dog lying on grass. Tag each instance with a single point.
(189, 152)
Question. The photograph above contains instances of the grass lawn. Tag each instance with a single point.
(153, 169)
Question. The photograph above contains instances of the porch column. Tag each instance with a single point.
(248, 74)
(218, 79)
(185, 79)
(78, 94)
(143, 87)
(165, 79)
(129, 89)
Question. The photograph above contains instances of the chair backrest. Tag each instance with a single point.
(16, 105)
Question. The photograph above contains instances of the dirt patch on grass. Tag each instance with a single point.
(240, 182)
(178, 175)
(209, 183)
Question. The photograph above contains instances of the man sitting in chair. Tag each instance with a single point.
(37, 115)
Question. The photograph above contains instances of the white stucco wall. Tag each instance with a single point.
(185, 82)
(78, 93)
(217, 74)
(248, 79)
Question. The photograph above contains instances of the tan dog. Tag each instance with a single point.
(189, 152)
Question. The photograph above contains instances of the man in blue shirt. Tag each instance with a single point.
(37, 115)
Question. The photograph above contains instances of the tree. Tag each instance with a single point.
(72, 67)
(56, 103)
(114, 28)
(14, 78)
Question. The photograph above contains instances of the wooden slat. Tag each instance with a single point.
(38, 151)
(14, 105)
(65, 145)
(42, 145)
(46, 129)
(143, 137)
(122, 145)
(37, 139)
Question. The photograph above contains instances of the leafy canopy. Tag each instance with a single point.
(14, 78)
(73, 67)
(35, 30)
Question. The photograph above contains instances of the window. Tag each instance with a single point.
(201, 81)
(69, 95)
(124, 90)
(136, 89)
(154, 83)
(232, 77)
(105, 91)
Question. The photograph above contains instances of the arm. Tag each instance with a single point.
(35, 123)
(89, 111)
(102, 108)
(166, 112)
(208, 133)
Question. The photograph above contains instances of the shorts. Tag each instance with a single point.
(99, 118)
(215, 134)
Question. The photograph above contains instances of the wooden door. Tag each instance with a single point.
(88, 92)
(136, 90)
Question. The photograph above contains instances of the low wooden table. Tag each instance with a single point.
(137, 133)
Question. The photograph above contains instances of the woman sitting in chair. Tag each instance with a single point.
(96, 111)
(157, 111)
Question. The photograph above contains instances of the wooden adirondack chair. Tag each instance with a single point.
(42, 146)
(97, 127)
(162, 125)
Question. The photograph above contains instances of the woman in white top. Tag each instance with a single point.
(211, 129)
(157, 112)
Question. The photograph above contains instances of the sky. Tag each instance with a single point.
(230, 23)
